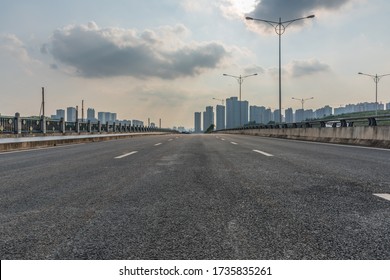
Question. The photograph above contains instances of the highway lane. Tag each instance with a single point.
(195, 197)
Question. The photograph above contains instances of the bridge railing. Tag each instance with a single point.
(381, 120)
(36, 125)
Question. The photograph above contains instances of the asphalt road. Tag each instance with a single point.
(195, 197)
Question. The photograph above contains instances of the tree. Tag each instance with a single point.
(210, 129)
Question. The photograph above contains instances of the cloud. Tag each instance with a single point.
(273, 9)
(286, 10)
(163, 53)
(300, 68)
(13, 46)
(253, 69)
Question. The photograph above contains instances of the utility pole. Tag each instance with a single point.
(82, 110)
(42, 111)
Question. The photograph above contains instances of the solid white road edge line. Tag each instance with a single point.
(125, 155)
(263, 153)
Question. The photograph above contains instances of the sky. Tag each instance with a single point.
(165, 59)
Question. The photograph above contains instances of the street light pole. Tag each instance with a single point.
(223, 101)
(280, 28)
(376, 79)
(303, 100)
(240, 80)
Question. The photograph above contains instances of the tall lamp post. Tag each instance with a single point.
(280, 27)
(240, 80)
(303, 100)
(376, 79)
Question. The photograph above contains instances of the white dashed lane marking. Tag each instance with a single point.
(263, 153)
(158, 144)
(125, 155)
(234, 143)
(383, 195)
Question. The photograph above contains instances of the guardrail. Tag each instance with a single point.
(370, 121)
(43, 125)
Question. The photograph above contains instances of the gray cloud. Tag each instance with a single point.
(307, 67)
(273, 9)
(253, 69)
(109, 52)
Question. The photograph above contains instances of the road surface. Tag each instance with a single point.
(196, 197)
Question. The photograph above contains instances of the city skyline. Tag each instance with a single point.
(158, 60)
(229, 116)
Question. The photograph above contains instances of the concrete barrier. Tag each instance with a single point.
(374, 136)
(20, 143)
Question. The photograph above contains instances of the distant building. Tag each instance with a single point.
(299, 115)
(360, 107)
(232, 112)
(236, 112)
(276, 116)
(197, 122)
(388, 106)
(60, 113)
(323, 112)
(289, 115)
(104, 117)
(208, 118)
(244, 112)
(220, 117)
(254, 114)
(267, 116)
(137, 123)
(308, 114)
(91, 115)
(71, 114)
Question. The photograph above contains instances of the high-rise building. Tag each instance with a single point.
(276, 116)
(299, 115)
(244, 112)
(114, 117)
(138, 123)
(236, 112)
(60, 113)
(220, 117)
(232, 113)
(208, 117)
(198, 121)
(102, 117)
(289, 115)
(91, 114)
(388, 106)
(255, 114)
(267, 117)
(71, 114)
(323, 112)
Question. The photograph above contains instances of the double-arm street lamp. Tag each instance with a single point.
(376, 79)
(280, 27)
(303, 100)
(240, 80)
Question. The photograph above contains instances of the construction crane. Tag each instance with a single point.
(220, 100)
